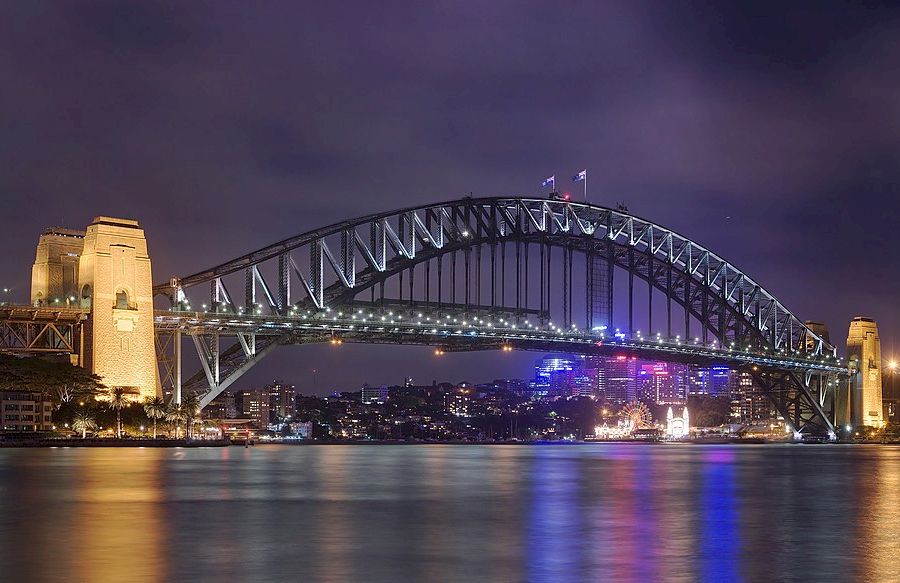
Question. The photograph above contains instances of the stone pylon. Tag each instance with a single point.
(864, 361)
(115, 279)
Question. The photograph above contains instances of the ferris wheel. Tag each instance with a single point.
(637, 415)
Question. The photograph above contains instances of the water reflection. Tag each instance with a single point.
(451, 513)
(718, 504)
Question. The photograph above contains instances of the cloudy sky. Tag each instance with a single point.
(769, 133)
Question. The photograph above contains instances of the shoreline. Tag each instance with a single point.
(112, 442)
(201, 443)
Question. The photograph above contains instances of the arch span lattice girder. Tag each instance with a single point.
(404, 234)
(716, 315)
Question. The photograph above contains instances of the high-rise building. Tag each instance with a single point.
(621, 379)
(557, 372)
(254, 404)
(748, 403)
(656, 383)
(282, 399)
(595, 368)
(697, 381)
(864, 362)
(719, 379)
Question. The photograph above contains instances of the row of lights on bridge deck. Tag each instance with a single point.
(441, 351)
(391, 318)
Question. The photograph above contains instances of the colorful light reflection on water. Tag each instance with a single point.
(451, 513)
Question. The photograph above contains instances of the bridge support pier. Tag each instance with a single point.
(176, 394)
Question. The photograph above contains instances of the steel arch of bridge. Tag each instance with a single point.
(443, 250)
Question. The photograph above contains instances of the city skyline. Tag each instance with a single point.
(215, 165)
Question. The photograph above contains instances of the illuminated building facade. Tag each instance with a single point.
(25, 411)
(254, 404)
(222, 407)
(621, 379)
(458, 403)
(282, 399)
(677, 427)
(374, 395)
(864, 362)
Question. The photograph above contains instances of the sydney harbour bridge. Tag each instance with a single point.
(489, 273)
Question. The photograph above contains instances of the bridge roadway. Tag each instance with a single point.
(479, 329)
(42, 330)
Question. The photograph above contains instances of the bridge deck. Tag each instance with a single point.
(453, 333)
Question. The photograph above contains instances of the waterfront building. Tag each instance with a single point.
(677, 427)
(864, 362)
(25, 411)
(302, 429)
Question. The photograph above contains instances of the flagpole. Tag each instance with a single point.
(585, 186)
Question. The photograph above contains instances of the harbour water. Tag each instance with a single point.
(598, 512)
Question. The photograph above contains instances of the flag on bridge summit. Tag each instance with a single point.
(580, 176)
(551, 182)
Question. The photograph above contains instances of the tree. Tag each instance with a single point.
(708, 411)
(176, 414)
(119, 398)
(155, 408)
(83, 422)
(190, 406)
(62, 380)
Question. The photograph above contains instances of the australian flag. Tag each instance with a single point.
(551, 182)
(580, 176)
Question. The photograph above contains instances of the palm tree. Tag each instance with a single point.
(190, 406)
(176, 414)
(119, 398)
(155, 408)
(83, 422)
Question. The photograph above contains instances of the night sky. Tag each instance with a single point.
(770, 134)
